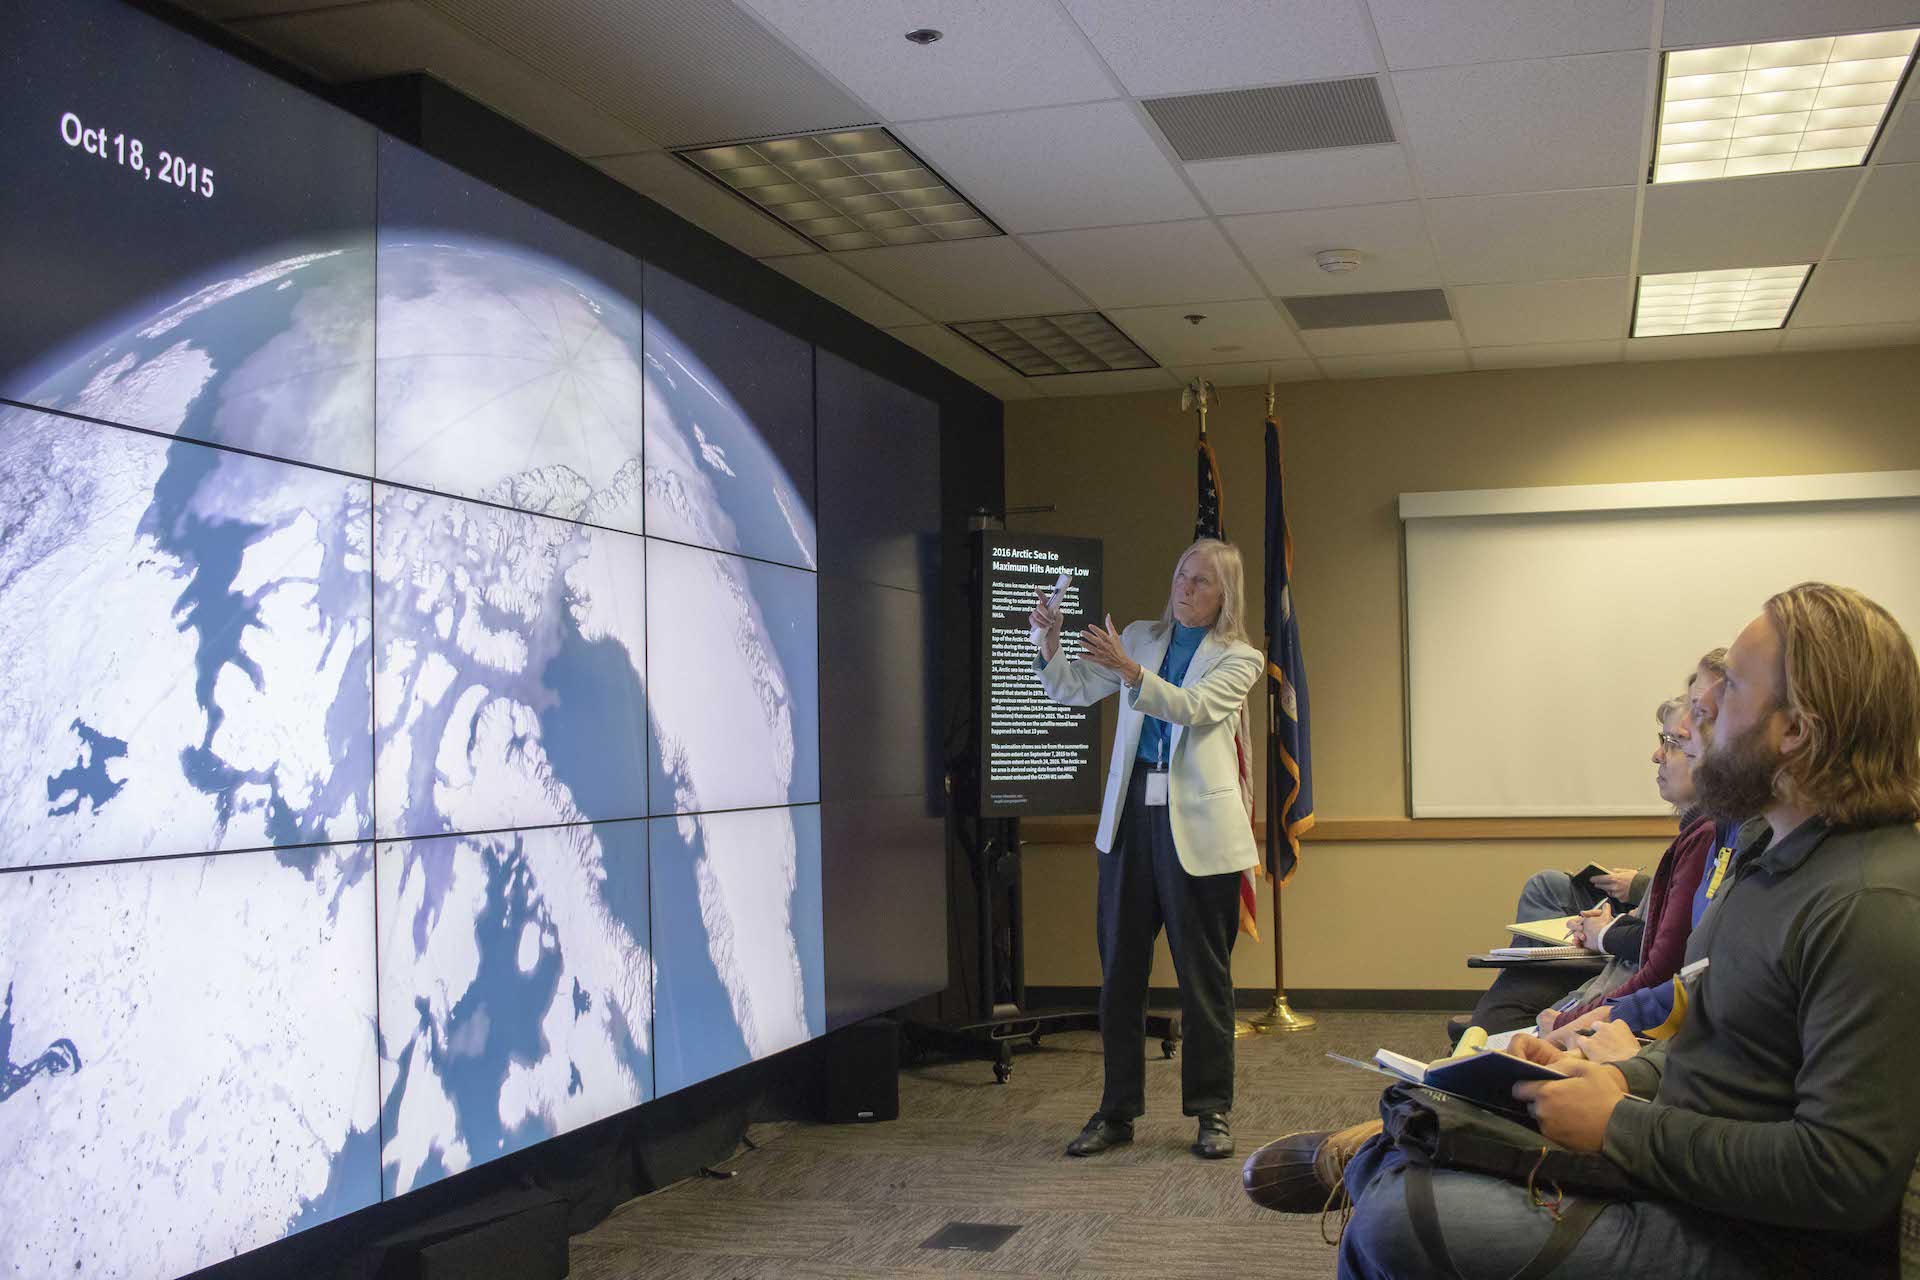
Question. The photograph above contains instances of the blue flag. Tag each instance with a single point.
(1289, 757)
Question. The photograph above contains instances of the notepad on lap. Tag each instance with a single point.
(1486, 1077)
(1552, 929)
(1540, 953)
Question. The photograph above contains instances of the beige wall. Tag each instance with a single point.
(1401, 914)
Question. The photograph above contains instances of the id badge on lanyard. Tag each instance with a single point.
(1157, 780)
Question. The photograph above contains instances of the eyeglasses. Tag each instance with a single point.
(1670, 745)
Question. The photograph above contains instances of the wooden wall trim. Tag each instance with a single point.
(1080, 831)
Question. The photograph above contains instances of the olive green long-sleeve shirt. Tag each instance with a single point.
(1790, 1095)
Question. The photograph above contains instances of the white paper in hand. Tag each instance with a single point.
(1053, 602)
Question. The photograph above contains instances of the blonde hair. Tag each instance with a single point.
(1227, 567)
(1713, 662)
(1851, 677)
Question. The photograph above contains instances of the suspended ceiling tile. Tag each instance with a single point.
(704, 203)
(1510, 315)
(1394, 364)
(1542, 125)
(1900, 144)
(1885, 220)
(1448, 33)
(681, 73)
(993, 55)
(1017, 389)
(1119, 383)
(1058, 167)
(1304, 180)
(1383, 339)
(1247, 373)
(966, 279)
(1143, 265)
(1254, 328)
(1391, 238)
(361, 42)
(1765, 221)
(836, 284)
(1160, 48)
(1546, 354)
(1863, 291)
(1694, 346)
(954, 351)
(1712, 22)
(1838, 337)
(1537, 235)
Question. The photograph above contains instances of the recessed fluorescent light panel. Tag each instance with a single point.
(850, 189)
(1716, 301)
(1040, 346)
(1776, 108)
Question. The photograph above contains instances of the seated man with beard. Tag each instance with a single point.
(1774, 1133)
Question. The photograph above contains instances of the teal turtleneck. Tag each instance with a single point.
(1155, 739)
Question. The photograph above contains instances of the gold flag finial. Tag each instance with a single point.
(1199, 396)
(1269, 391)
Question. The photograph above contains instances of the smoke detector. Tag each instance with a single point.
(1335, 261)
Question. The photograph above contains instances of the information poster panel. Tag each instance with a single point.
(1037, 757)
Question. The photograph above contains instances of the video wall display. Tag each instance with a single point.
(510, 350)
(190, 1062)
(729, 425)
(516, 991)
(195, 239)
(410, 749)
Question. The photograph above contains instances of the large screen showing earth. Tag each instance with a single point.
(409, 744)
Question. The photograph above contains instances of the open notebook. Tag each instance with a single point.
(1485, 1076)
(1552, 930)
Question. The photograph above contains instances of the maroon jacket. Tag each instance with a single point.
(1668, 909)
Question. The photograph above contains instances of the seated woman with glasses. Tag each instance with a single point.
(1645, 947)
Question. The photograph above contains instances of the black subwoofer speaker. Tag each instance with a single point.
(863, 1072)
(527, 1245)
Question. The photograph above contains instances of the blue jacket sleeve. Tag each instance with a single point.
(1647, 1007)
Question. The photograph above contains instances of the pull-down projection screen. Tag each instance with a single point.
(1544, 626)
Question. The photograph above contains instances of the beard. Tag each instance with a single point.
(1733, 780)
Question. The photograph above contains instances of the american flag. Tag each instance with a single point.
(1210, 522)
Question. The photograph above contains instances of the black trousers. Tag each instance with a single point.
(1518, 994)
(1142, 888)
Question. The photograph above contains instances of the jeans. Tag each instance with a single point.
(1491, 1231)
(1548, 894)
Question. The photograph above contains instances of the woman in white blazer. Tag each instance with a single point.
(1174, 836)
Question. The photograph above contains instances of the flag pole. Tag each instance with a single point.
(1280, 1015)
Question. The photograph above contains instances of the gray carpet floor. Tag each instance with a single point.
(857, 1202)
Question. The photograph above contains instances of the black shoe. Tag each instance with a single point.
(1301, 1173)
(1101, 1133)
(1215, 1141)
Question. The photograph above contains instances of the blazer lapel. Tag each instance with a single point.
(1204, 658)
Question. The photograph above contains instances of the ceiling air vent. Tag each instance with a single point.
(1289, 117)
(1351, 310)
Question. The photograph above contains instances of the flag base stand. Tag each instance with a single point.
(1279, 1016)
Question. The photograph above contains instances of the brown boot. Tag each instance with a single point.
(1301, 1172)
